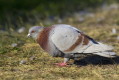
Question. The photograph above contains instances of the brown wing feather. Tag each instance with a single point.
(82, 38)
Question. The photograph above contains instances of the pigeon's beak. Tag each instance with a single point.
(28, 35)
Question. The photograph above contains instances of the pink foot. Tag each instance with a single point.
(61, 64)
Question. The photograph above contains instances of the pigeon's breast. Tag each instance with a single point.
(43, 38)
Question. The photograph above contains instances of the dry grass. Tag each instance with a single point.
(39, 65)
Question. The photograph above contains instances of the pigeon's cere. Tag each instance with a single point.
(68, 42)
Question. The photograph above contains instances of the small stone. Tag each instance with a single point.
(59, 21)
(117, 37)
(113, 6)
(23, 62)
(100, 19)
(114, 31)
(91, 15)
(32, 58)
(14, 44)
(21, 30)
(81, 19)
(15, 70)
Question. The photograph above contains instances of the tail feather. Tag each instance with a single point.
(101, 49)
(106, 54)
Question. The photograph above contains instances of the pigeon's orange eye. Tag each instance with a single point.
(32, 31)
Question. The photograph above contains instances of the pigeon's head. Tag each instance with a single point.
(34, 31)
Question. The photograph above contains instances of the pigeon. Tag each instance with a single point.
(68, 42)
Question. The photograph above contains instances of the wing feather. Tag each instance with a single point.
(67, 38)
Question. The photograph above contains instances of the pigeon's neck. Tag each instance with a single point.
(38, 33)
(35, 36)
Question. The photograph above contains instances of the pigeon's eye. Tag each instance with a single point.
(32, 31)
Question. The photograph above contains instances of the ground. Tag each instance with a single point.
(27, 61)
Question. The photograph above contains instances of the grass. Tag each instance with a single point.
(38, 65)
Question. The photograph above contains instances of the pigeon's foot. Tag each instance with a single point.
(61, 64)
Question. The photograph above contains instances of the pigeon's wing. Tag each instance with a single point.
(68, 39)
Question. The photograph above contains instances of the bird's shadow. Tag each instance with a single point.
(96, 60)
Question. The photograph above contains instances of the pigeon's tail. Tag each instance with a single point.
(106, 51)
(106, 54)
(101, 49)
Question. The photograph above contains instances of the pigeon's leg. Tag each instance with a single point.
(67, 57)
(63, 63)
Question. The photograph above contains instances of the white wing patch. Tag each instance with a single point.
(64, 37)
